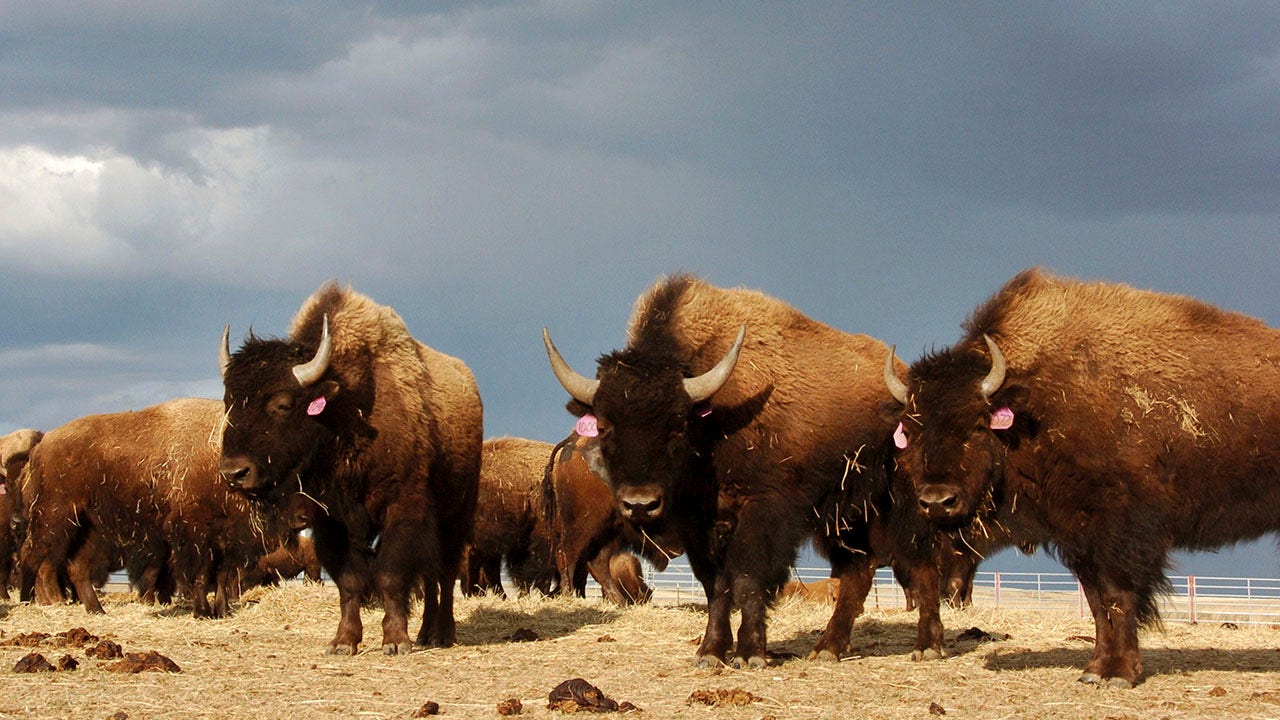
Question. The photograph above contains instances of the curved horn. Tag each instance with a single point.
(224, 352)
(310, 372)
(708, 383)
(897, 388)
(995, 378)
(580, 387)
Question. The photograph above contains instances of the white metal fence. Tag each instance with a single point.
(1194, 599)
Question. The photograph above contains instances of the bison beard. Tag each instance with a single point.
(1114, 424)
(744, 448)
(384, 433)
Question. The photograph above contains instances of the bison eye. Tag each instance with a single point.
(280, 404)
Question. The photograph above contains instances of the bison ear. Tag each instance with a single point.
(325, 392)
(1011, 401)
(577, 408)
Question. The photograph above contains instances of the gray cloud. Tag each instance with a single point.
(491, 168)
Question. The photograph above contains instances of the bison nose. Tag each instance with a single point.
(940, 502)
(238, 472)
(640, 504)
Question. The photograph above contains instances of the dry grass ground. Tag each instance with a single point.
(266, 661)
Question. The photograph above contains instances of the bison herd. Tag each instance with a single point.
(1108, 424)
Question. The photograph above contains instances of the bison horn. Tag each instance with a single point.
(897, 388)
(224, 352)
(995, 378)
(708, 383)
(310, 372)
(580, 387)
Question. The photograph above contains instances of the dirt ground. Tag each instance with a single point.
(267, 661)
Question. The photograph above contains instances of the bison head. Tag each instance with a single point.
(642, 402)
(957, 422)
(276, 393)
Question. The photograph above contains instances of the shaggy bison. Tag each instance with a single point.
(139, 490)
(747, 427)
(1115, 424)
(384, 433)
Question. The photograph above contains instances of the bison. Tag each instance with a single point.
(1112, 423)
(509, 521)
(138, 490)
(589, 533)
(746, 427)
(14, 450)
(384, 433)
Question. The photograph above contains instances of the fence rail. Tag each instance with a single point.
(1194, 599)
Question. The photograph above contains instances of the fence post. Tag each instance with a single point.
(997, 587)
(1080, 597)
(1191, 598)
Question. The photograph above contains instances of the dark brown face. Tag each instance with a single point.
(640, 404)
(953, 440)
(642, 416)
(274, 424)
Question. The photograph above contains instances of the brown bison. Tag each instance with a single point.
(14, 449)
(746, 427)
(824, 590)
(137, 490)
(589, 533)
(509, 521)
(384, 433)
(297, 554)
(1114, 424)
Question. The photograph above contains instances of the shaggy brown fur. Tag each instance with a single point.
(1143, 422)
(137, 489)
(393, 458)
(795, 443)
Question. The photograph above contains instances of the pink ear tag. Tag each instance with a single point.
(317, 406)
(1002, 419)
(900, 437)
(586, 426)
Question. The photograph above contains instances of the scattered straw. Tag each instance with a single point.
(267, 660)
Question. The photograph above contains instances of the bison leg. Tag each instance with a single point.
(599, 568)
(717, 638)
(925, 583)
(749, 596)
(856, 575)
(79, 572)
(351, 588)
(1117, 659)
(444, 632)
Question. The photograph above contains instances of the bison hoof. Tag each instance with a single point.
(927, 654)
(824, 655)
(402, 648)
(341, 649)
(755, 662)
(707, 661)
(1117, 682)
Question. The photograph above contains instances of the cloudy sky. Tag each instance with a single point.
(490, 168)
